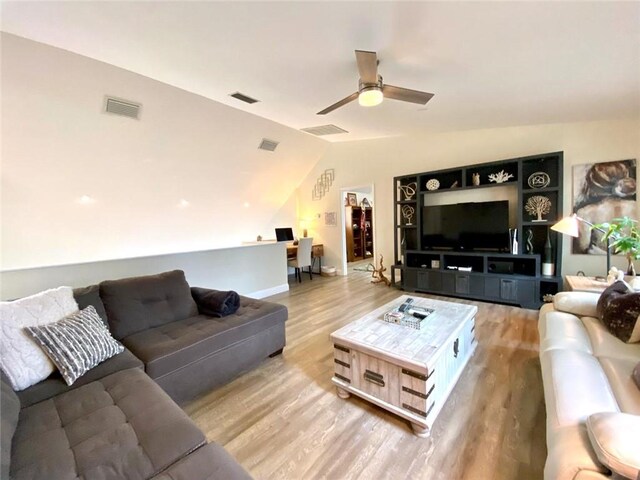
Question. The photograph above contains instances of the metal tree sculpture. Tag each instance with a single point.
(538, 206)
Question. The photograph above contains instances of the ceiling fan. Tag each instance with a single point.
(371, 89)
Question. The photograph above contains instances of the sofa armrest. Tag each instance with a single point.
(581, 304)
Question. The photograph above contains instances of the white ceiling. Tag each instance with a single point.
(490, 64)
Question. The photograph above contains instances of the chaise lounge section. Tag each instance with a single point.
(120, 419)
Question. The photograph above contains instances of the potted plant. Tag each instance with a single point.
(625, 239)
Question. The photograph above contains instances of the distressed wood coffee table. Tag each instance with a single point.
(405, 371)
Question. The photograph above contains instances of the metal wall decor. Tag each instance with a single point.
(323, 183)
(539, 180)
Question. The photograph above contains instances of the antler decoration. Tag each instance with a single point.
(378, 275)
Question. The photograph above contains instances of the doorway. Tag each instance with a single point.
(358, 227)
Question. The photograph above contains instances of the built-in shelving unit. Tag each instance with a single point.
(359, 233)
(485, 275)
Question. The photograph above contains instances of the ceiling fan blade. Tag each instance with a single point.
(406, 94)
(339, 104)
(367, 66)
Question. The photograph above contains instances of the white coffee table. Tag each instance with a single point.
(405, 371)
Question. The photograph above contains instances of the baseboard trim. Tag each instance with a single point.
(267, 292)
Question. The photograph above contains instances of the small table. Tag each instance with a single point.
(580, 283)
(405, 371)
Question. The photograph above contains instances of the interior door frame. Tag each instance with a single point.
(343, 234)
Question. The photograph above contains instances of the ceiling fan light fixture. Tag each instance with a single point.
(370, 96)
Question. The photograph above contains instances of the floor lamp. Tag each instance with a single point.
(571, 226)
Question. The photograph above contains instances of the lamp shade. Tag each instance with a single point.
(568, 226)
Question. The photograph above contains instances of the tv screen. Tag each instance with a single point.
(466, 226)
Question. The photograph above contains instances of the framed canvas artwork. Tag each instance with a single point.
(601, 192)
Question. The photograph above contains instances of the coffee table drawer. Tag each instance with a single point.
(376, 377)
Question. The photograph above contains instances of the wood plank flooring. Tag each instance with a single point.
(284, 420)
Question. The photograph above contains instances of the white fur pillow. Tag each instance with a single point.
(22, 360)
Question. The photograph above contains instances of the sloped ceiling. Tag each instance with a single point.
(490, 64)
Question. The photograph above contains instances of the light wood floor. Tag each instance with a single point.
(284, 420)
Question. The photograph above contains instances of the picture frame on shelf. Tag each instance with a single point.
(352, 200)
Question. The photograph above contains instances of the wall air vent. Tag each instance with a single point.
(243, 98)
(269, 145)
(122, 107)
(324, 130)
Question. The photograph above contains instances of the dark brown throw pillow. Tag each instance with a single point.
(636, 375)
(619, 310)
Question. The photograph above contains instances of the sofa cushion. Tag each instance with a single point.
(9, 413)
(619, 371)
(575, 386)
(77, 343)
(122, 426)
(174, 345)
(22, 360)
(209, 462)
(615, 438)
(90, 295)
(606, 345)
(139, 303)
(578, 303)
(563, 330)
(619, 310)
(55, 385)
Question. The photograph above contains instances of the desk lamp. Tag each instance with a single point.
(570, 226)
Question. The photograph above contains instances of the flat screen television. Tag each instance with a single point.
(466, 226)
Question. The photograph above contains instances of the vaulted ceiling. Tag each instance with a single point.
(489, 64)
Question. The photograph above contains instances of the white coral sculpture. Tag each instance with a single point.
(538, 206)
(500, 177)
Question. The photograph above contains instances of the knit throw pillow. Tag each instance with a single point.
(619, 310)
(76, 343)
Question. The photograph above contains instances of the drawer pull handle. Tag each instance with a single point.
(341, 377)
(340, 362)
(341, 348)
(455, 348)
(374, 377)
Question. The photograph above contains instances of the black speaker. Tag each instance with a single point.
(501, 267)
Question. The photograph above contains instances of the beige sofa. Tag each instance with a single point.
(585, 370)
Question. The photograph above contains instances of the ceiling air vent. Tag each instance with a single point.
(269, 145)
(243, 98)
(122, 107)
(324, 130)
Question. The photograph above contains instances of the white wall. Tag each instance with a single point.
(57, 146)
(378, 161)
(254, 270)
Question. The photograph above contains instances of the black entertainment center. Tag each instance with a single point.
(465, 248)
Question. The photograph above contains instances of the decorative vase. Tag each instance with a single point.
(547, 263)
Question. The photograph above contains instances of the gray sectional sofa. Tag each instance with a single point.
(120, 420)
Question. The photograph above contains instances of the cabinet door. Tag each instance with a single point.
(527, 293)
(492, 287)
(430, 281)
(410, 279)
(448, 282)
(462, 283)
(508, 289)
(476, 285)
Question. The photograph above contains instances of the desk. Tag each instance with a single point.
(317, 251)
